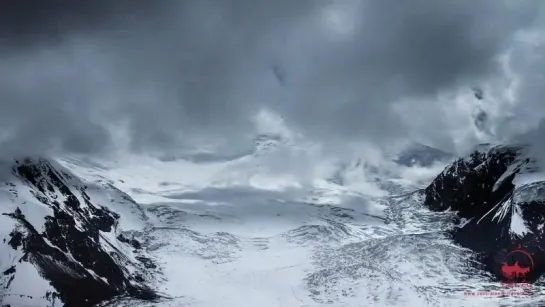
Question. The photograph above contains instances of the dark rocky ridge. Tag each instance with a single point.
(69, 250)
(480, 189)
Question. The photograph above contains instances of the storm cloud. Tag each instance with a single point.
(73, 74)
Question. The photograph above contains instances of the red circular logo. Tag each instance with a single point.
(517, 264)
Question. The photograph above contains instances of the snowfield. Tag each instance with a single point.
(234, 233)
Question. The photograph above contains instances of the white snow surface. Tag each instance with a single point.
(271, 228)
(517, 222)
(249, 232)
(28, 287)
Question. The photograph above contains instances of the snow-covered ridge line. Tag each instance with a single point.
(69, 239)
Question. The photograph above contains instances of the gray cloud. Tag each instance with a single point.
(28, 24)
(175, 69)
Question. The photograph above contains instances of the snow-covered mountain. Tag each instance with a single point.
(262, 228)
(498, 192)
(63, 240)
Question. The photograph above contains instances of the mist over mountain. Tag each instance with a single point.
(271, 153)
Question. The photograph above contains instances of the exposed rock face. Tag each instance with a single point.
(498, 209)
(72, 248)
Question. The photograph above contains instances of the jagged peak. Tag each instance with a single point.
(42, 173)
(73, 246)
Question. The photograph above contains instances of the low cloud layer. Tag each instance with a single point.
(164, 72)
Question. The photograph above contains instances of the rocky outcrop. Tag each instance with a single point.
(75, 249)
(500, 202)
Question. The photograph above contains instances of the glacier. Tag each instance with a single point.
(245, 230)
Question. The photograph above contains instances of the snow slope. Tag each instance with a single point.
(274, 226)
(249, 235)
(322, 247)
(61, 244)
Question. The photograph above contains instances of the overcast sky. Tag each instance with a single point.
(74, 74)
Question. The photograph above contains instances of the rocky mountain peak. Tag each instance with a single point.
(72, 244)
(498, 208)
